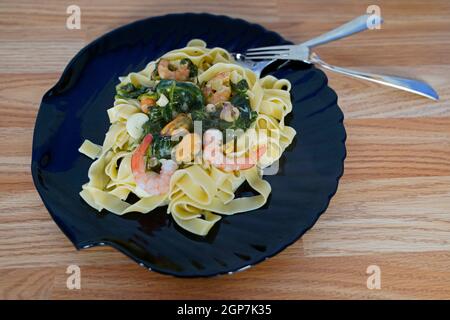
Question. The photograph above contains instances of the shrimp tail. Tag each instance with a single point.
(138, 158)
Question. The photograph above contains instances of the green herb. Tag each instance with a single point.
(240, 100)
(240, 87)
(183, 96)
(161, 147)
(209, 120)
(128, 90)
(193, 70)
(158, 118)
(246, 114)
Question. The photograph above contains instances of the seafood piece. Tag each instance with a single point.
(181, 123)
(229, 112)
(147, 101)
(210, 107)
(151, 182)
(218, 89)
(213, 153)
(171, 71)
(243, 163)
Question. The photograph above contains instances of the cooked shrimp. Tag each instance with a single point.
(218, 88)
(229, 112)
(147, 103)
(151, 182)
(213, 153)
(181, 72)
(243, 163)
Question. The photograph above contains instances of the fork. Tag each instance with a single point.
(302, 52)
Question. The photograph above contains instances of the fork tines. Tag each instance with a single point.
(272, 52)
(286, 47)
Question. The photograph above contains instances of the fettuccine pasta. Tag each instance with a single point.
(185, 133)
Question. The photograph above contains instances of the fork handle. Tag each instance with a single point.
(410, 85)
(354, 26)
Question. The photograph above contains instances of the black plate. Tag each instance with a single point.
(75, 109)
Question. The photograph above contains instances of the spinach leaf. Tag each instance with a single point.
(183, 96)
(246, 114)
(240, 100)
(128, 90)
(193, 70)
(158, 118)
(161, 147)
(210, 120)
(240, 87)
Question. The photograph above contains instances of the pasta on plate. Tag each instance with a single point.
(186, 132)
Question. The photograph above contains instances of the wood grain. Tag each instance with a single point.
(392, 208)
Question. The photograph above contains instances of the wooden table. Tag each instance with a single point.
(392, 208)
